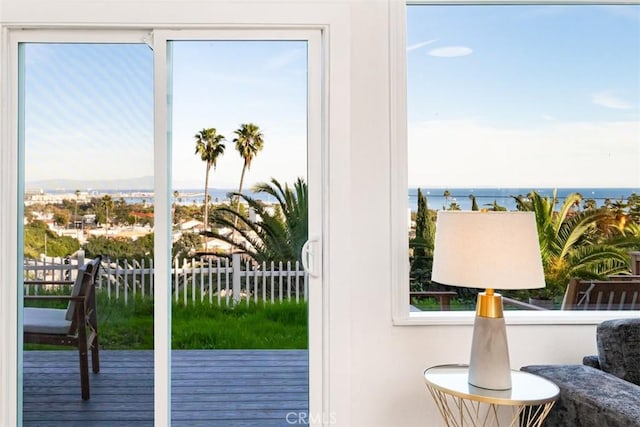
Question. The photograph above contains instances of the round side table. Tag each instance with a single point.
(531, 398)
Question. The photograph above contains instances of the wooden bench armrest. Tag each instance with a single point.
(49, 282)
(53, 298)
(520, 304)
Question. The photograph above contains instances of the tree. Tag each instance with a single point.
(186, 245)
(474, 203)
(61, 217)
(573, 243)
(422, 245)
(278, 234)
(35, 235)
(446, 195)
(176, 196)
(495, 207)
(120, 248)
(106, 203)
(249, 142)
(75, 216)
(210, 146)
(590, 204)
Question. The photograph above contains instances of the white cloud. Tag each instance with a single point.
(420, 44)
(610, 100)
(466, 153)
(451, 51)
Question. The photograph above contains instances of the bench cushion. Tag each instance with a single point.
(45, 321)
(618, 343)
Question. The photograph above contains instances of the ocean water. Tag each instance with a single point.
(185, 196)
(485, 197)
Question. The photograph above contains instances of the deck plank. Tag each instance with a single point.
(234, 388)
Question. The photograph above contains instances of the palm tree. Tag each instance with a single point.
(572, 243)
(279, 234)
(106, 203)
(75, 216)
(446, 195)
(209, 145)
(249, 142)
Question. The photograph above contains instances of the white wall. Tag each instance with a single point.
(376, 367)
(387, 361)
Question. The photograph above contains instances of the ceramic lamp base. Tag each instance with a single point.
(489, 365)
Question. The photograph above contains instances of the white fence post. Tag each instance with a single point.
(235, 277)
(125, 279)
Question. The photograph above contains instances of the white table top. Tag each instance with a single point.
(527, 389)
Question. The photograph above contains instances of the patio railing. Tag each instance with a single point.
(193, 279)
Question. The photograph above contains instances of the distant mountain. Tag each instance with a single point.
(140, 183)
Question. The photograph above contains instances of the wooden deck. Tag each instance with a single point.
(209, 388)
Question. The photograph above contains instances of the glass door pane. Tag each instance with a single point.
(240, 219)
(87, 130)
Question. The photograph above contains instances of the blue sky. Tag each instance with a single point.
(498, 96)
(519, 96)
(223, 84)
(89, 109)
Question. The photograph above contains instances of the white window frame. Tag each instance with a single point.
(399, 202)
(329, 24)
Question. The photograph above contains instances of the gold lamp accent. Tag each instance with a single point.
(490, 250)
(489, 304)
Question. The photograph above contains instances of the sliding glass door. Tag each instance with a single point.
(239, 222)
(87, 137)
(113, 130)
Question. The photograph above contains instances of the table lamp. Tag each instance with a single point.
(489, 250)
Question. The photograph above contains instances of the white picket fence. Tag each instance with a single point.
(195, 279)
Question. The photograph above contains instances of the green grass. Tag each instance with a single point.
(256, 326)
(125, 327)
(432, 304)
(202, 325)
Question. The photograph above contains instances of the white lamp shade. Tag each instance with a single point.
(497, 250)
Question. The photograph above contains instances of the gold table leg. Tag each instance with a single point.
(459, 412)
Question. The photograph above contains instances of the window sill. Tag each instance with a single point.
(551, 317)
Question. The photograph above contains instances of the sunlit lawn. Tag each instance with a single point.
(203, 325)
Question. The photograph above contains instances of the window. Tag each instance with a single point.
(509, 103)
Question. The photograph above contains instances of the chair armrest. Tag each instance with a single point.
(53, 298)
(592, 361)
(49, 282)
(590, 397)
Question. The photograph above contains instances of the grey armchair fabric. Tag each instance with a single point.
(619, 348)
(604, 391)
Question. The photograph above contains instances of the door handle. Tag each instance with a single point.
(309, 258)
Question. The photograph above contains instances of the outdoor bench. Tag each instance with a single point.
(444, 297)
